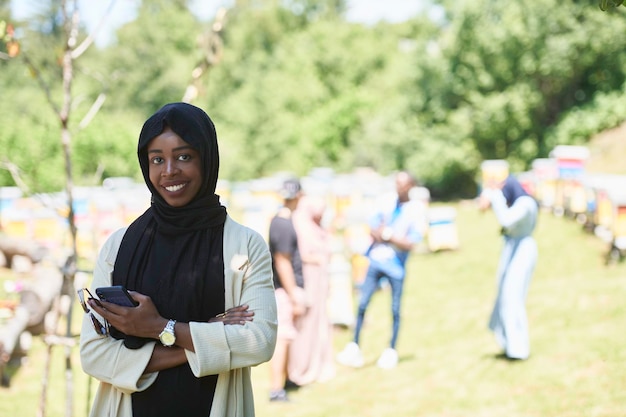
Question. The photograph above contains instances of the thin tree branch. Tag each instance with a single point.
(84, 45)
(212, 47)
(14, 170)
(93, 110)
(42, 83)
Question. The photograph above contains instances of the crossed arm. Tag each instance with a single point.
(144, 320)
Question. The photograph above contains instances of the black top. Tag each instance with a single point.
(283, 239)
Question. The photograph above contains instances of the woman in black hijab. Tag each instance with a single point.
(186, 263)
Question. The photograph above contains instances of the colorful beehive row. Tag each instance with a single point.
(597, 201)
(97, 213)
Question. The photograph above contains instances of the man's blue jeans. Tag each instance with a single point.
(371, 283)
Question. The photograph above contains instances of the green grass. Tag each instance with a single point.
(577, 314)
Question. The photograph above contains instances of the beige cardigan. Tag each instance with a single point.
(229, 351)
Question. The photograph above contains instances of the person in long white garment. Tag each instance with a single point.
(517, 213)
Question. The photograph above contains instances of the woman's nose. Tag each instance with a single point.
(169, 168)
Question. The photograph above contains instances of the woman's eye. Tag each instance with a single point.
(157, 160)
(184, 157)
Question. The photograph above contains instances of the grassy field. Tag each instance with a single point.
(448, 368)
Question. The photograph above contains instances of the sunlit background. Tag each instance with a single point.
(341, 94)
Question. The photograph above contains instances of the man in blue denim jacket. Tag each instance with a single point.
(395, 228)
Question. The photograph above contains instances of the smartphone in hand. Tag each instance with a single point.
(116, 294)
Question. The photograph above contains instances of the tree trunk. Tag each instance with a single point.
(38, 297)
(9, 337)
(36, 300)
(11, 246)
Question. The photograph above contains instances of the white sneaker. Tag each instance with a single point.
(388, 359)
(351, 356)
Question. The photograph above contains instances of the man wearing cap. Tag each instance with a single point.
(289, 284)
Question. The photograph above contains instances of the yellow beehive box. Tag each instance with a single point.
(494, 171)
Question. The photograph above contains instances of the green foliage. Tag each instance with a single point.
(33, 146)
(29, 136)
(107, 148)
(299, 87)
(606, 4)
(157, 55)
(299, 102)
(517, 67)
(606, 111)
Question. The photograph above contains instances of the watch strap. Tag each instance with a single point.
(170, 325)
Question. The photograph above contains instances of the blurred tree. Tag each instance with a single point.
(154, 54)
(293, 89)
(298, 87)
(514, 69)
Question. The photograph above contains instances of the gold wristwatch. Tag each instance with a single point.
(167, 336)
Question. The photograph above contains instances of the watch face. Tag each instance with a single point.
(167, 338)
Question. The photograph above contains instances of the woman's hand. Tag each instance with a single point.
(143, 320)
(235, 315)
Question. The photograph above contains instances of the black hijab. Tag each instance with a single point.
(512, 190)
(195, 127)
(175, 255)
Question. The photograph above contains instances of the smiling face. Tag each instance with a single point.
(175, 168)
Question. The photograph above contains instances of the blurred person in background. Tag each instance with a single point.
(516, 212)
(311, 353)
(288, 283)
(395, 228)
